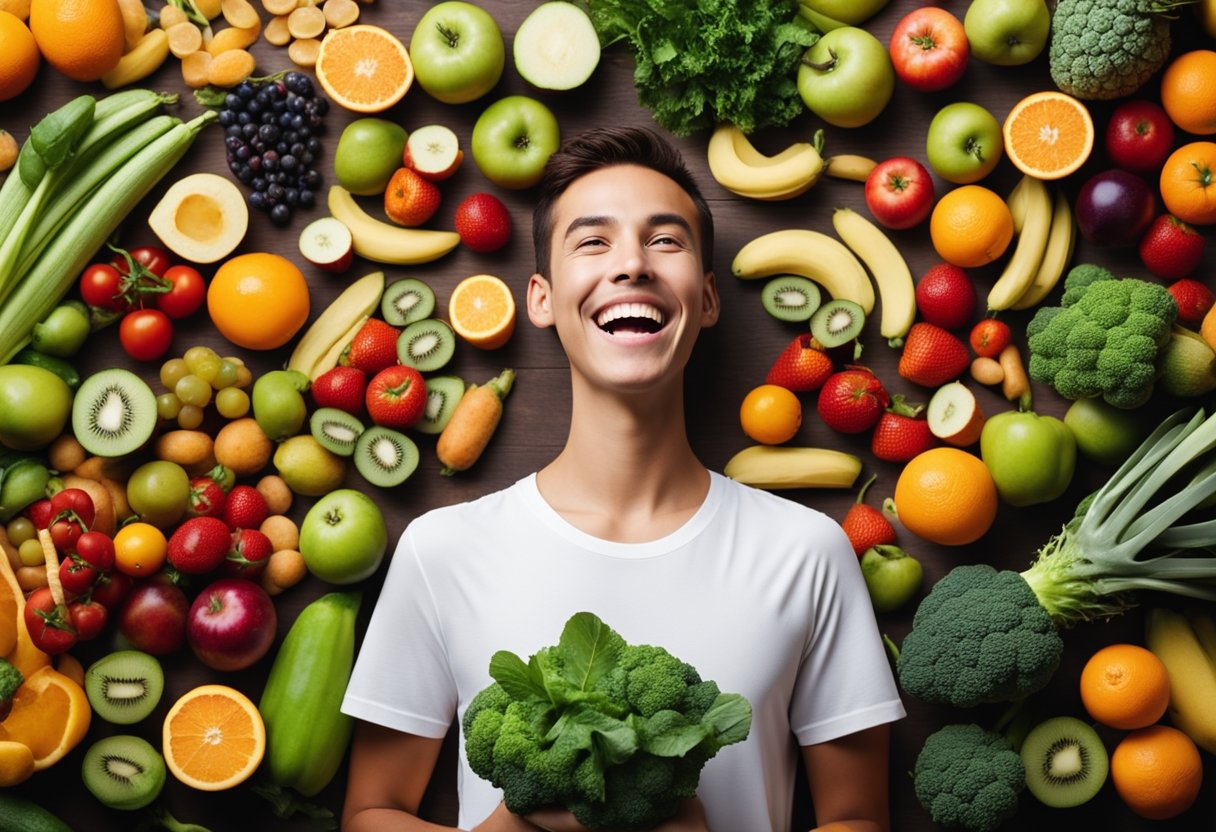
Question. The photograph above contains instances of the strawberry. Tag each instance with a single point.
(207, 498)
(245, 509)
(248, 554)
(199, 545)
(409, 199)
(801, 367)
(865, 525)
(932, 356)
(852, 400)
(1170, 248)
(483, 223)
(373, 348)
(989, 337)
(945, 296)
(341, 387)
(396, 397)
(1193, 300)
(902, 432)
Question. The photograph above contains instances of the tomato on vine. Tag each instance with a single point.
(156, 260)
(101, 285)
(186, 295)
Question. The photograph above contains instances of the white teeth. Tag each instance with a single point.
(629, 310)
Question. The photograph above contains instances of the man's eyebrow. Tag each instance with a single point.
(652, 220)
(588, 221)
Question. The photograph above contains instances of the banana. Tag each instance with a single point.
(330, 359)
(811, 254)
(737, 166)
(1017, 205)
(1192, 673)
(1022, 267)
(888, 267)
(850, 166)
(386, 243)
(134, 22)
(140, 62)
(1056, 257)
(771, 467)
(356, 302)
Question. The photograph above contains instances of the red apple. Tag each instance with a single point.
(1139, 136)
(231, 624)
(433, 152)
(929, 49)
(154, 617)
(899, 192)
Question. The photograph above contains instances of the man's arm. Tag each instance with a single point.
(848, 778)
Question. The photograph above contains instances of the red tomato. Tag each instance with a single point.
(146, 334)
(111, 589)
(64, 534)
(76, 575)
(187, 295)
(49, 625)
(899, 192)
(40, 513)
(929, 49)
(989, 337)
(101, 286)
(1139, 136)
(155, 260)
(97, 550)
(75, 500)
(88, 617)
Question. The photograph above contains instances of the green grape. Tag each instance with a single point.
(193, 390)
(207, 368)
(168, 405)
(30, 553)
(20, 529)
(190, 417)
(172, 371)
(194, 355)
(235, 359)
(232, 402)
(226, 375)
(244, 377)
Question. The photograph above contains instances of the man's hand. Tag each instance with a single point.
(690, 818)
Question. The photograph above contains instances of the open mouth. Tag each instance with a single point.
(631, 318)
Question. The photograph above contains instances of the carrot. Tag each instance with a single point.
(1015, 386)
(473, 423)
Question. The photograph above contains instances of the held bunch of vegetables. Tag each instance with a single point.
(617, 733)
(984, 636)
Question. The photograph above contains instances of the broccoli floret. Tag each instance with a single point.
(980, 636)
(1102, 49)
(655, 679)
(1079, 278)
(10, 680)
(969, 778)
(1104, 341)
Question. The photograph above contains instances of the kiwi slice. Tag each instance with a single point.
(426, 345)
(335, 429)
(1066, 762)
(123, 771)
(113, 413)
(442, 394)
(790, 298)
(123, 687)
(406, 301)
(385, 457)
(837, 322)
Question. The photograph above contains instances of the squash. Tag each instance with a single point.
(202, 218)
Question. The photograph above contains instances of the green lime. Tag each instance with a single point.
(1105, 433)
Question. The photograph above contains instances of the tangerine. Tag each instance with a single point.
(258, 301)
(971, 226)
(946, 496)
(482, 311)
(1157, 771)
(1188, 183)
(1125, 686)
(1186, 91)
(19, 56)
(770, 414)
(214, 738)
(83, 39)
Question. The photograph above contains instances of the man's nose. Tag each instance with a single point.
(633, 264)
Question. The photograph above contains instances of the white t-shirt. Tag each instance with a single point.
(757, 592)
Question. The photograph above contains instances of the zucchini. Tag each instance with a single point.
(64, 369)
(306, 733)
(20, 815)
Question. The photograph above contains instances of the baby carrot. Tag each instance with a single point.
(473, 423)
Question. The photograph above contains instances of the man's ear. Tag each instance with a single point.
(711, 304)
(540, 307)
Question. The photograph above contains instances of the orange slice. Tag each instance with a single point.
(214, 738)
(1048, 135)
(50, 715)
(366, 69)
(482, 311)
(22, 653)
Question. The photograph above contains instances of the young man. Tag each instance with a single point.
(760, 594)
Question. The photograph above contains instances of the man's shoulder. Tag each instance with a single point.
(471, 513)
(758, 505)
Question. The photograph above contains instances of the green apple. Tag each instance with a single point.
(851, 12)
(369, 151)
(34, 406)
(1007, 32)
(1031, 457)
(458, 52)
(278, 403)
(513, 139)
(892, 576)
(846, 78)
(964, 143)
(1105, 433)
(343, 537)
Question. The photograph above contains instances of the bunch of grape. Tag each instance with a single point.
(270, 129)
(194, 379)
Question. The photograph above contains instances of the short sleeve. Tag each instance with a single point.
(844, 683)
(402, 678)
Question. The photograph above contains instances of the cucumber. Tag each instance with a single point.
(58, 366)
(20, 815)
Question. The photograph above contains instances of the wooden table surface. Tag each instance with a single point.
(730, 360)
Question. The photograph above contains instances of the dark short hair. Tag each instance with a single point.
(605, 147)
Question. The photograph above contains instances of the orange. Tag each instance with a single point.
(770, 414)
(1186, 91)
(50, 715)
(214, 738)
(1157, 772)
(139, 549)
(482, 311)
(16, 763)
(258, 301)
(1188, 183)
(946, 496)
(1125, 686)
(364, 68)
(970, 226)
(83, 39)
(19, 56)
(1048, 135)
(23, 655)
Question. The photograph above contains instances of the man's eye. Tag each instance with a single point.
(591, 242)
(666, 240)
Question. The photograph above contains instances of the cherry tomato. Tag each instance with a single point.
(88, 617)
(101, 286)
(187, 295)
(77, 501)
(155, 260)
(145, 334)
(76, 575)
(48, 623)
(140, 549)
(64, 534)
(40, 513)
(111, 589)
(96, 549)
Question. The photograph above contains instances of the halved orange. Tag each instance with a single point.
(364, 68)
(214, 738)
(1048, 135)
(50, 715)
(22, 654)
(482, 311)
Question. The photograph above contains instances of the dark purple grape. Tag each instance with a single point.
(307, 199)
(299, 83)
(249, 130)
(276, 192)
(255, 163)
(288, 162)
(258, 199)
(280, 214)
(245, 90)
(259, 183)
(233, 130)
(270, 160)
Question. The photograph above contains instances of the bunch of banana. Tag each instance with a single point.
(850, 166)
(811, 254)
(774, 467)
(1186, 645)
(826, 15)
(1046, 233)
(385, 243)
(888, 267)
(741, 169)
(144, 48)
(323, 342)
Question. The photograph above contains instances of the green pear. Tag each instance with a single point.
(278, 403)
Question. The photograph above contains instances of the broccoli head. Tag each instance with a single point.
(1102, 49)
(980, 636)
(10, 680)
(969, 778)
